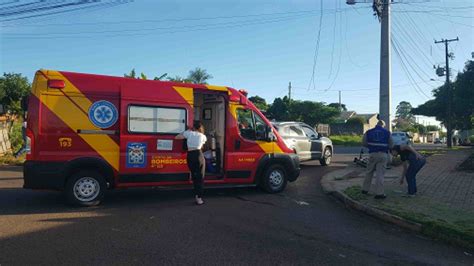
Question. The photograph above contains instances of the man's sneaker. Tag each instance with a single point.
(380, 196)
(199, 201)
(409, 195)
(365, 192)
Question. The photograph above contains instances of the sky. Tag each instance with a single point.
(259, 46)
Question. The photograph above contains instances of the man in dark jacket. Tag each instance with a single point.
(379, 141)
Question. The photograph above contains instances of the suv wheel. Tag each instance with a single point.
(327, 155)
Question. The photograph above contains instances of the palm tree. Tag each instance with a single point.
(132, 74)
(178, 79)
(199, 76)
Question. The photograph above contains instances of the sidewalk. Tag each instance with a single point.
(443, 207)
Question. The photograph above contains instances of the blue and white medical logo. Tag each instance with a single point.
(136, 155)
(103, 114)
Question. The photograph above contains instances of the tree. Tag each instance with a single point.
(420, 128)
(463, 97)
(462, 101)
(336, 105)
(404, 112)
(311, 113)
(13, 88)
(132, 74)
(161, 77)
(430, 128)
(280, 109)
(259, 102)
(198, 76)
(178, 79)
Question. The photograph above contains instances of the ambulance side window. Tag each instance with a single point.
(260, 127)
(251, 125)
(246, 124)
(156, 120)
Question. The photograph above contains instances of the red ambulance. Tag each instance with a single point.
(89, 133)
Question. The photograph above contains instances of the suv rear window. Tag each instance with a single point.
(296, 131)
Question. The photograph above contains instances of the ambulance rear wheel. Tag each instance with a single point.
(274, 179)
(85, 188)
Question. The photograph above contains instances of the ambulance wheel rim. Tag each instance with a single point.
(86, 189)
(276, 178)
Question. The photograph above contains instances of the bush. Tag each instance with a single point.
(471, 138)
(16, 136)
(346, 140)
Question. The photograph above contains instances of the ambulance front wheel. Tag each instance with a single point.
(274, 179)
(85, 188)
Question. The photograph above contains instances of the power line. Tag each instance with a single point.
(411, 61)
(439, 7)
(333, 40)
(316, 50)
(405, 68)
(232, 25)
(432, 12)
(175, 19)
(420, 33)
(340, 55)
(82, 6)
(363, 89)
(409, 40)
(346, 29)
(156, 28)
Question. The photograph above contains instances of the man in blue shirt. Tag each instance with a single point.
(379, 141)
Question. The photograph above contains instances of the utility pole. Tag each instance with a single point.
(385, 75)
(449, 128)
(382, 9)
(289, 91)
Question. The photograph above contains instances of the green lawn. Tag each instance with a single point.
(439, 220)
(346, 140)
(11, 160)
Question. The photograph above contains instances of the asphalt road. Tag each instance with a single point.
(356, 149)
(235, 226)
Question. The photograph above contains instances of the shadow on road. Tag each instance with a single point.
(15, 200)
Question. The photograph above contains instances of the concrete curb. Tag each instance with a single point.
(350, 203)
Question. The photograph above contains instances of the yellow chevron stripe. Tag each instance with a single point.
(186, 93)
(217, 88)
(75, 118)
(233, 110)
(269, 147)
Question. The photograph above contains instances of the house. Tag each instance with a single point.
(351, 123)
(344, 116)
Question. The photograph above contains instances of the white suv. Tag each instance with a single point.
(400, 138)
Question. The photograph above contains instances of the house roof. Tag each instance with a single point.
(346, 115)
(366, 116)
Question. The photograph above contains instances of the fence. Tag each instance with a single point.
(5, 145)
